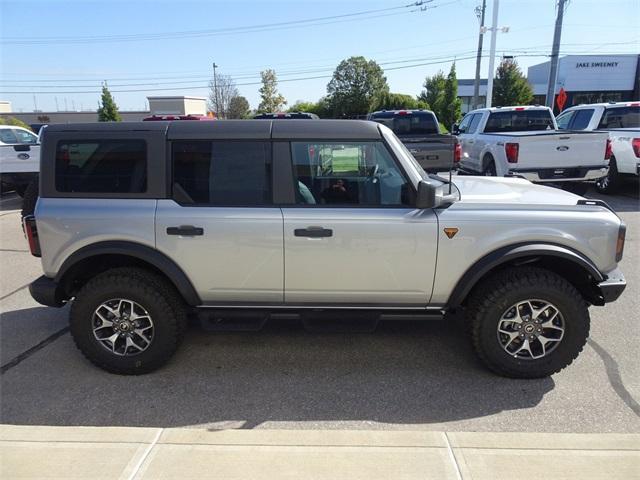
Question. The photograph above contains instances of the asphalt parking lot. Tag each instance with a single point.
(403, 376)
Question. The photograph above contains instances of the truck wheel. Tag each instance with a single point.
(30, 198)
(611, 182)
(490, 168)
(127, 321)
(527, 322)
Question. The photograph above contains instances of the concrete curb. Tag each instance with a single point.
(155, 453)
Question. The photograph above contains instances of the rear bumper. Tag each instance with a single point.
(613, 286)
(577, 174)
(46, 291)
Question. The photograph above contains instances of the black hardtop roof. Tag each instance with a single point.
(237, 129)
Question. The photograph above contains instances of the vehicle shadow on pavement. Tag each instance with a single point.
(626, 200)
(406, 373)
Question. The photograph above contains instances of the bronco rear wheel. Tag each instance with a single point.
(527, 322)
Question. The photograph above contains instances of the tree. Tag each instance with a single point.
(322, 108)
(397, 101)
(222, 89)
(14, 122)
(107, 109)
(510, 86)
(355, 85)
(451, 104)
(238, 107)
(270, 99)
(433, 93)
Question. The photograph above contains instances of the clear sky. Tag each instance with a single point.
(151, 46)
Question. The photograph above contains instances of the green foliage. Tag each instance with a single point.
(107, 109)
(433, 93)
(355, 85)
(14, 122)
(320, 108)
(238, 107)
(397, 101)
(452, 105)
(444, 128)
(510, 86)
(271, 100)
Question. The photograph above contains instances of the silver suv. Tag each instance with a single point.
(140, 224)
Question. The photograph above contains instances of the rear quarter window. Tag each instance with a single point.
(101, 166)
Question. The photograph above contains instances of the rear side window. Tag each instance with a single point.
(416, 123)
(222, 173)
(582, 119)
(621, 117)
(519, 121)
(101, 166)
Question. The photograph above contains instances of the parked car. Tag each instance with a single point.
(622, 121)
(286, 116)
(140, 223)
(19, 158)
(525, 141)
(419, 131)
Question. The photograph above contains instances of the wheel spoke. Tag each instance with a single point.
(123, 326)
(131, 343)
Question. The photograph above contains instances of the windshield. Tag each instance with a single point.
(407, 123)
(621, 117)
(519, 121)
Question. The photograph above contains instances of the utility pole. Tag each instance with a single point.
(57, 107)
(555, 51)
(492, 52)
(476, 84)
(215, 89)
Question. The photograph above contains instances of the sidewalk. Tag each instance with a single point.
(154, 453)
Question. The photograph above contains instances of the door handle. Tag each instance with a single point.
(313, 232)
(185, 231)
(471, 141)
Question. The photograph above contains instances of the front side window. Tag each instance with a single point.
(7, 136)
(564, 120)
(466, 121)
(473, 126)
(101, 166)
(519, 121)
(348, 174)
(25, 137)
(222, 173)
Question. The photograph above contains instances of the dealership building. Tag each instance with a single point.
(584, 78)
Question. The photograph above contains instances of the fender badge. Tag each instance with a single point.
(450, 232)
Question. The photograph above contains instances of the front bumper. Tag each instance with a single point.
(46, 291)
(613, 286)
(577, 174)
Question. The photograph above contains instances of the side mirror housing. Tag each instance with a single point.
(426, 197)
(22, 148)
(455, 129)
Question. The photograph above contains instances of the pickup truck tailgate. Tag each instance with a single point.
(433, 152)
(559, 150)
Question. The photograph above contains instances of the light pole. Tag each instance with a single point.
(555, 51)
(215, 90)
(476, 84)
(492, 51)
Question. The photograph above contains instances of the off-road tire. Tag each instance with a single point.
(490, 168)
(611, 182)
(152, 292)
(30, 198)
(496, 294)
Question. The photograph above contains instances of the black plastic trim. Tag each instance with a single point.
(513, 252)
(141, 252)
(46, 291)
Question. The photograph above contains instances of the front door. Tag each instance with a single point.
(353, 237)
(220, 227)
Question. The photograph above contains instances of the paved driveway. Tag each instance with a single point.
(404, 376)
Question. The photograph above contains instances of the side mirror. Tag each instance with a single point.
(426, 197)
(22, 148)
(455, 129)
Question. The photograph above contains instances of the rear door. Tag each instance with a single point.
(220, 226)
(353, 236)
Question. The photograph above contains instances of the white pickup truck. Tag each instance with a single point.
(19, 158)
(622, 121)
(525, 141)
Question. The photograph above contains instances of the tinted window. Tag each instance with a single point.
(25, 137)
(410, 123)
(473, 126)
(101, 166)
(581, 119)
(621, 117)
(519, 121)
(564, 120)
(346, 174)
(222, 173)
(466, 121)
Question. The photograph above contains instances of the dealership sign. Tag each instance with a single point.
(596, 64)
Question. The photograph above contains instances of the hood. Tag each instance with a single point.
(510, 190)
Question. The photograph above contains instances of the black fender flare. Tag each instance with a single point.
(140, 252)
(510, 253)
